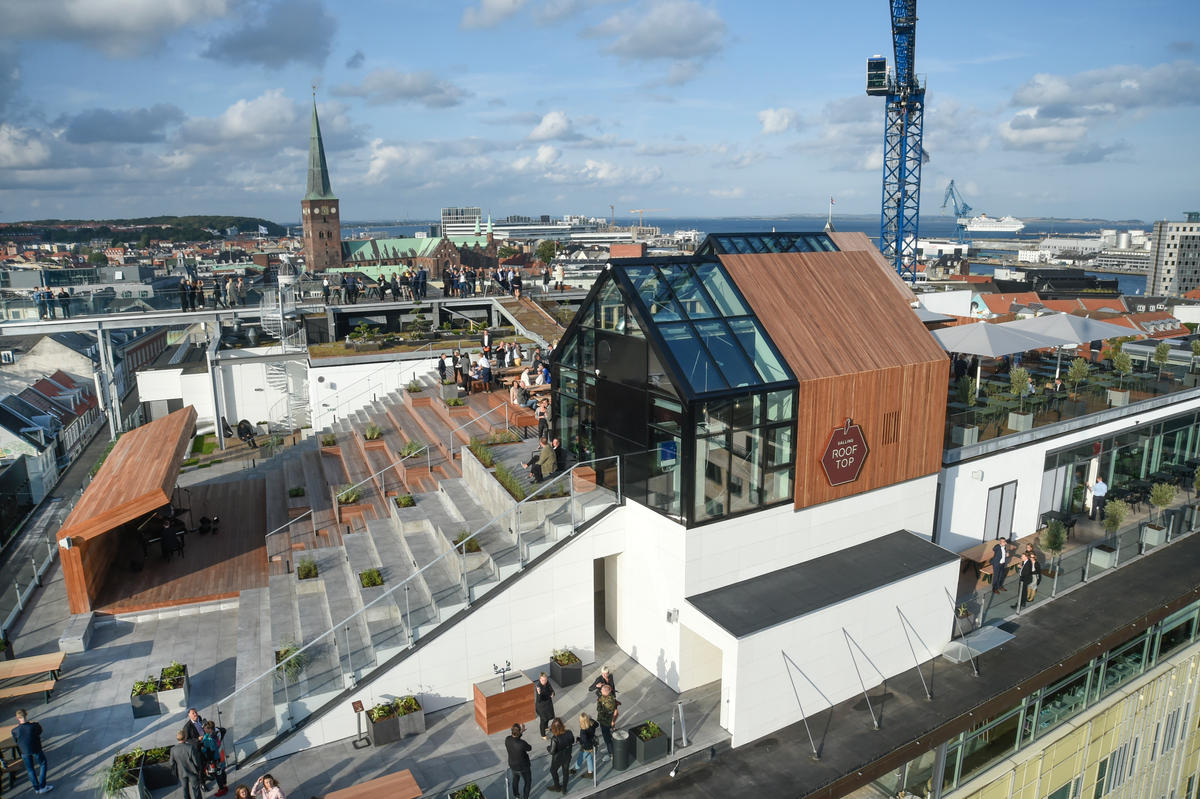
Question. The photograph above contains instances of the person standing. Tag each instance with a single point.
(193, 727)
(558, 276)
(546, 279)
(64, 302)
(1025, 576)
(587, 746)
(607, 709)
(1099, 498)
(325, 289)
(266, 787)
(185, 762)
(28, 736)
(543, 702)
(218, 293)
(605, 677)
(999, 565)
(561, 743)
(1036, 569)
(241, 291)
(518, 761)
(212, 754)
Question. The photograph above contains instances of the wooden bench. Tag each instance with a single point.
(479, 386)
(399, 785)
(28, 689)
(49, 663)
(12, 767)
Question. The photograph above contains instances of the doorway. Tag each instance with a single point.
(604, 594)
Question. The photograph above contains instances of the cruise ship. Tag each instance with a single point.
(990, 224)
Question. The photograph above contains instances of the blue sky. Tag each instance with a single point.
(697, 107)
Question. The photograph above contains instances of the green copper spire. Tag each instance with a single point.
(318, 171)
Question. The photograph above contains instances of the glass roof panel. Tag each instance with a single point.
(655, 294)
(737, 370)
(720, 287)
(687, 291)
(742, 243)
(694, 364)
(756, 344)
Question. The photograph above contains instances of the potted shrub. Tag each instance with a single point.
(1123, 366)
(1154, 533)
(1076, 374)
(405, 501)
(1116, 511)
(296, 491)
(465, 544)
(1018, 379)
(410, 716)
(306, 569)
(143, 698)
(122, 778)
(384, 727)
(964, 621)
(371, 578)
(1161, 353)
(468, 791)
(449, 389)
(565, 667)
(1053, 541)
(173, 687)
(349, 494)
(966, 434)
(650, 741)
(373, 432)
(328, 440)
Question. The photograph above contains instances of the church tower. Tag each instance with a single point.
(319, 208)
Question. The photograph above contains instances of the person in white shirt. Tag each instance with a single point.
(1099, 497)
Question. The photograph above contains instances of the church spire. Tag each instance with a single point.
(318, 171)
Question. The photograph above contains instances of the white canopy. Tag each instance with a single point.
(992, 341)
(1072, 329)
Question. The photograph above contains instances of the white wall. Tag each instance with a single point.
(956, 302)
(731, 551)
(762, 699)
(966, 485)
(337, 391)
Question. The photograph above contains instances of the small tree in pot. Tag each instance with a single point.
(1076, 374)
(1116, 511)
(1053, 541)
(1161, 353)
(1154, 532)
(1123, 366)
(1018, 381)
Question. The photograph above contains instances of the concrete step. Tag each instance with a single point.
(442, 577)
(495, 538)
(252, 723)
(341, 592)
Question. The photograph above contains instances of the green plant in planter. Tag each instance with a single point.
(483, 452)
(565, 657)
(371, 578)
(1195, 351)
(405, 501)
(1116, 511)
(462, 543)
(290, 662)
(407, 704)
(962, 611)
(384, 710)
(306, 569)
(649, 731)
(121, 773)
(1161, 353)
(468, 791)
(172, 676)
(1162, 495)
(329, 440)
(1123, 365)
(296, 491)
(348, 495)
(1054, 538)
(143, 687)
(453, 402)
(372, 432)
(1018, 378)
(507, 479)
(414, 387)
(412, 448)
(1077, 372)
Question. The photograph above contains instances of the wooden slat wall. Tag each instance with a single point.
(858, 352)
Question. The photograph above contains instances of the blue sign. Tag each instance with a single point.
(668, 451)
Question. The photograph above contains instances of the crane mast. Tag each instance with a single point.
(903, 126)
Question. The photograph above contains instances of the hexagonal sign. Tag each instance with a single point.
(844, 454)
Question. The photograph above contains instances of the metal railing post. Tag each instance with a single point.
(37, 577)
(408, 618)
(1087, 562)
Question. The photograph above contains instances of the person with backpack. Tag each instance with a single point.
(212, 756)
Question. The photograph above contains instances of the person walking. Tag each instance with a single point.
(999, 565)
(28, 737)
(218, 293)
(518, 761)
(587, 747)
(607, 709)
(543, 702)
(186, 763)
(561, 743)
(1099, 498)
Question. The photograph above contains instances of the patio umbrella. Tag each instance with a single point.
(991, 341)
(1072, 329)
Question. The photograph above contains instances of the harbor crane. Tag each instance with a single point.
(962, 211)
(641, 212)
(903, 126)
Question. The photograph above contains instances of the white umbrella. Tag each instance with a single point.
(991, 341)
(1071, 329)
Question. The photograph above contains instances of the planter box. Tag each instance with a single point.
(1104, 556)
(158, 775)
(1154, 535)
(648, 751)
(411, 723)
(1118, 398)
(144, 705)
(566, 675)
(965, 435)
(450, 391)
(963, 625)
(383, 732)
(1020, 421)
(176, 699)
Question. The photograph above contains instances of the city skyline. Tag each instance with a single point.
(539, 106)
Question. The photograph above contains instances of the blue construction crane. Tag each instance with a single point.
(962, 211)
(902, 131)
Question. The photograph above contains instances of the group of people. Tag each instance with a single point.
(1029, 574)
(224, 294)
(198, 758)
(46, 300)
(560, 740)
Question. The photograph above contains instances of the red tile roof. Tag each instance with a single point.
(1114, 304)
(1001, 303)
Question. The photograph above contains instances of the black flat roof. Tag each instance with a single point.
(749, 606)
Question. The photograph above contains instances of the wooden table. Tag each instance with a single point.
(499, 707)
(50, 663)
(400, 785)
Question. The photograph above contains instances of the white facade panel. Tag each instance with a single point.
(337, 391)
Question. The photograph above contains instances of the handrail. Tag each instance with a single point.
(567, 475)
(450, 438)
(424, 449)
(415, 362)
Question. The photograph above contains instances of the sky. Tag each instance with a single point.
(692, 108)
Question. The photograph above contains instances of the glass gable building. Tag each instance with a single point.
(666, 365)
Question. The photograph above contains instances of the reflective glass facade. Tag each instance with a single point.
(745, 243)
(666, 365)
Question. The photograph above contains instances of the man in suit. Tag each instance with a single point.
(999, 565)
(485, 341)
(185, 762)
(193, 728)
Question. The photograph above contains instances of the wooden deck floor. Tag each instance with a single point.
(213, 566)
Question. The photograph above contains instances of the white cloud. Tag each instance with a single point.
(490, 13)
(776, 120)
(383, 86)
(20, 148)
(684, 32)
(735, 193)
(117, 27)
(269, 121)
(610, 173)
(547, 155)
(1111, 89)
(554, 125)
